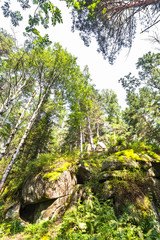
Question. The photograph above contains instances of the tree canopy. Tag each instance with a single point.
(112, 23)
(143, 99)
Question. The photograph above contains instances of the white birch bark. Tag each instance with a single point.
(12, 96)
(16, 127)
(13, 159)
(7, 115)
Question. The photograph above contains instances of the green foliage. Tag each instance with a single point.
(50, 166)
(10, 228)
(142, 114)
(57, 172)
(6, 43)
(38, 231)
(95, 220)
(45, 11)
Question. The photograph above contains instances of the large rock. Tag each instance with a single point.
(53, 210)
(48, 209)
(110, 175)
(101, 147)
(61, 204)
(12, 211)
(89, 148)
(107, 190)
(118, 165)
(37, 189)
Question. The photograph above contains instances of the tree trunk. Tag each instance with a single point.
(97, 132)
(3, 152)
(123, 5)
(13, 159)
(7, 115)
(10, 98)
(81, 140)
(90, 133)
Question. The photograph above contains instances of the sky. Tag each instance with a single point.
(104, 75)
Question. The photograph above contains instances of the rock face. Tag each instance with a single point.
(37, 189)
(13, 211)
(61, 204)
(43, 199)
(112, 164)
(130, 182)
(127, 181)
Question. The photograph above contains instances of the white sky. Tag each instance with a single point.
(102, 73)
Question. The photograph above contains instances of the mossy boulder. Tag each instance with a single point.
(37, 188)
(131, 178)
(112, 163)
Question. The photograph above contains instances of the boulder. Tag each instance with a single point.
(37, 189)
(43, 199)
(12, 211)
(107, 191)
(53, 210)
(90, 148)
(110, 175)
(101, 147)
(61, 204)
(118, 165)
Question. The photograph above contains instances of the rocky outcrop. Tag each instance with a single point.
(130, 182)
(12, 211)
(61, 204)
(125, 180)
(112, 164)
(37, 189)
(43, 198)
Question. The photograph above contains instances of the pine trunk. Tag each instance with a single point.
(81, 140)
(97, 132)
(90, 133)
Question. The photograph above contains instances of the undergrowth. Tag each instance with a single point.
(90, 220)
(95, 220)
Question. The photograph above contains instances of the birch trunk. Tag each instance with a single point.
(13, 159)
(7, 115)
(10, 98)
(3, 152)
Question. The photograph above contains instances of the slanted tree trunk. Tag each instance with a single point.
(3, 152)
(7, 115)
(32, 120)
(11, 96)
